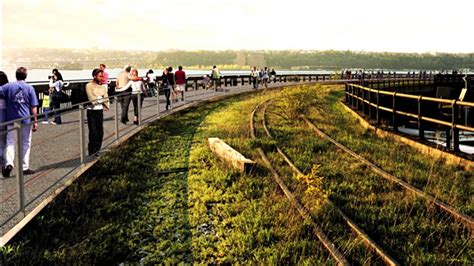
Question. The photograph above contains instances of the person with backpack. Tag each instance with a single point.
(216, 77)
(167, 84)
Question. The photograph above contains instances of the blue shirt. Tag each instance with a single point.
(19, 97)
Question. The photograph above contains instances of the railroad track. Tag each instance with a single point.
(328, 245)
(441, 214)
(464, 219)
(369, 242)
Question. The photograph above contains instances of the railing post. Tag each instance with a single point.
(394, 112)
(362, 101)
(421, 130)
(158, 100)
(377, 117)
(448, 138)
(370, 104)
(453, 126)
(139, 104)
(82, 134)
(347, 93)
(19, 166)
(116, 119)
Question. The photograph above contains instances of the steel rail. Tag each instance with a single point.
(464, 219)
(330, 247)
(384, 255)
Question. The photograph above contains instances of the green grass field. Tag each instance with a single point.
(163, 197)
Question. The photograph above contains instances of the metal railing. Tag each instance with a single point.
(373, 102)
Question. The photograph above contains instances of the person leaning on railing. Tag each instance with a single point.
(97, 95)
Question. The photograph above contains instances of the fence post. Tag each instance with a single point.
(377, 117)
(357, 94)
(158, 101)
(82, 134)
(139, 104)
(370, 104)
(362, 95)
(347, 93)
(116, 119)
(421, 130)
(394, 112)
(453, 126)
(19, 167)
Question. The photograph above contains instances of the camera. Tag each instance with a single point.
(49, 77)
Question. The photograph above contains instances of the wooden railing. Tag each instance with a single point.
(373, 102)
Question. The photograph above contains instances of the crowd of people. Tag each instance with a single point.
(19, 100)
(262, 76)
(379, 74)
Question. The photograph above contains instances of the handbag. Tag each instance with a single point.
(64, 97)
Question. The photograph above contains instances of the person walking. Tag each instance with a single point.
(167, 83)
(150, 82)
(21, 102)
(122, 80)
(3, 118)
(180, 77)
(273, 75)
(97, 95)
(265, 77)
(216, 77)
(254, 76)
(56, 86)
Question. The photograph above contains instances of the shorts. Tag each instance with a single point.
(179, 87)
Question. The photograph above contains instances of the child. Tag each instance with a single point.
(206, 81)
(46, 106)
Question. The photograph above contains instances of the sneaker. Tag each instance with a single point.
(52, 122)
(44, 122)
(7, 170)
(28, 172)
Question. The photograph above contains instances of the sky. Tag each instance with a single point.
(362, 25)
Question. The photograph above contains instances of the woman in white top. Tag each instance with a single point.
(55, 86)
(138, 87)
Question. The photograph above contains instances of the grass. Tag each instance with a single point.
(126, 210)
(412, 231)
(164, 198)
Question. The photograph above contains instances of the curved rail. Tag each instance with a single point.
(354, 227)
(466, 220)
(341, 260)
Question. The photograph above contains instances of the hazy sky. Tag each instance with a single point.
(368, 25)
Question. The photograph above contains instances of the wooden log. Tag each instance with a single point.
(228, 154)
